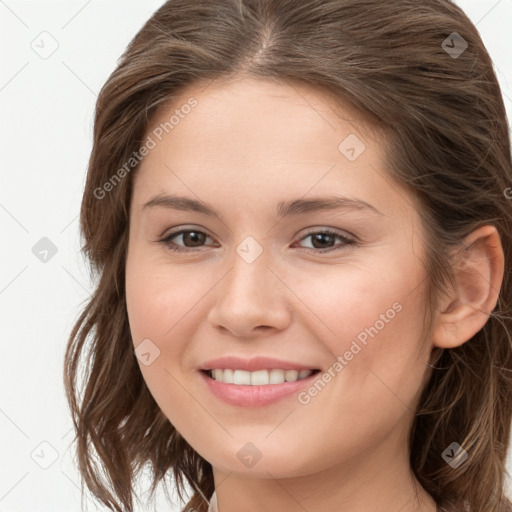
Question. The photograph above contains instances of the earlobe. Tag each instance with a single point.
(479, 269)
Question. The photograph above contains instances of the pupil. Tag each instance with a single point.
(194, 235)
(320, 236)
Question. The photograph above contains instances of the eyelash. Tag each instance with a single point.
(346, 240)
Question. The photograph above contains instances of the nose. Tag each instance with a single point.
(251, 300)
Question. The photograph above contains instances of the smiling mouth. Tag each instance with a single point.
(259, 377)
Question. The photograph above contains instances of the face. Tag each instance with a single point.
(337, 287)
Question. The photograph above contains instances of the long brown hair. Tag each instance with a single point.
(404, 65)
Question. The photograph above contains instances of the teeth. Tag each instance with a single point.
(258, 378)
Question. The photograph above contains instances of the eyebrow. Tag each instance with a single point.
(283, 209)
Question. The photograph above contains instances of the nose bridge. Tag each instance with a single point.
(249, 271)
(250, 295)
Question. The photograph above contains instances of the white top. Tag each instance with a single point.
(213, 507)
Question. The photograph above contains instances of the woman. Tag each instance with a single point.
(227, 344)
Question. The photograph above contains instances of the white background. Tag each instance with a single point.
(46, 112)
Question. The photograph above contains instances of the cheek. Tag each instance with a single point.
(160, 300)
(164, 305)
(160, 305)
(371, 322)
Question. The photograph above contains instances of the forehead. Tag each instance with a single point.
(248, 135)
(244, 104)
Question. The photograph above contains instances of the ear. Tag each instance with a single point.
(479, 269)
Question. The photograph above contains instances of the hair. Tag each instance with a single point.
(446, 140)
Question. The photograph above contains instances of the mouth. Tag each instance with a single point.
(268, 377)
(244, 389)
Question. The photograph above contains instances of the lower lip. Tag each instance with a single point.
(255, 396)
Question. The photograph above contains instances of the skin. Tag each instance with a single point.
(246, 146)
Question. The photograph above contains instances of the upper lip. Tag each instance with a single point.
(253, 364)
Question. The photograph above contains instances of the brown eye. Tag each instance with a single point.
(322, 241)
(191, 238)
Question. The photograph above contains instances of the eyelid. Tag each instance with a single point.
(185, 227)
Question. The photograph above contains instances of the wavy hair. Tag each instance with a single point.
(447, 140)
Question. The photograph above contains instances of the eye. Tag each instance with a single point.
(196, 238)
(324, 238)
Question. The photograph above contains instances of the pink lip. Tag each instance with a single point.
(254, 396)
(252, 365)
